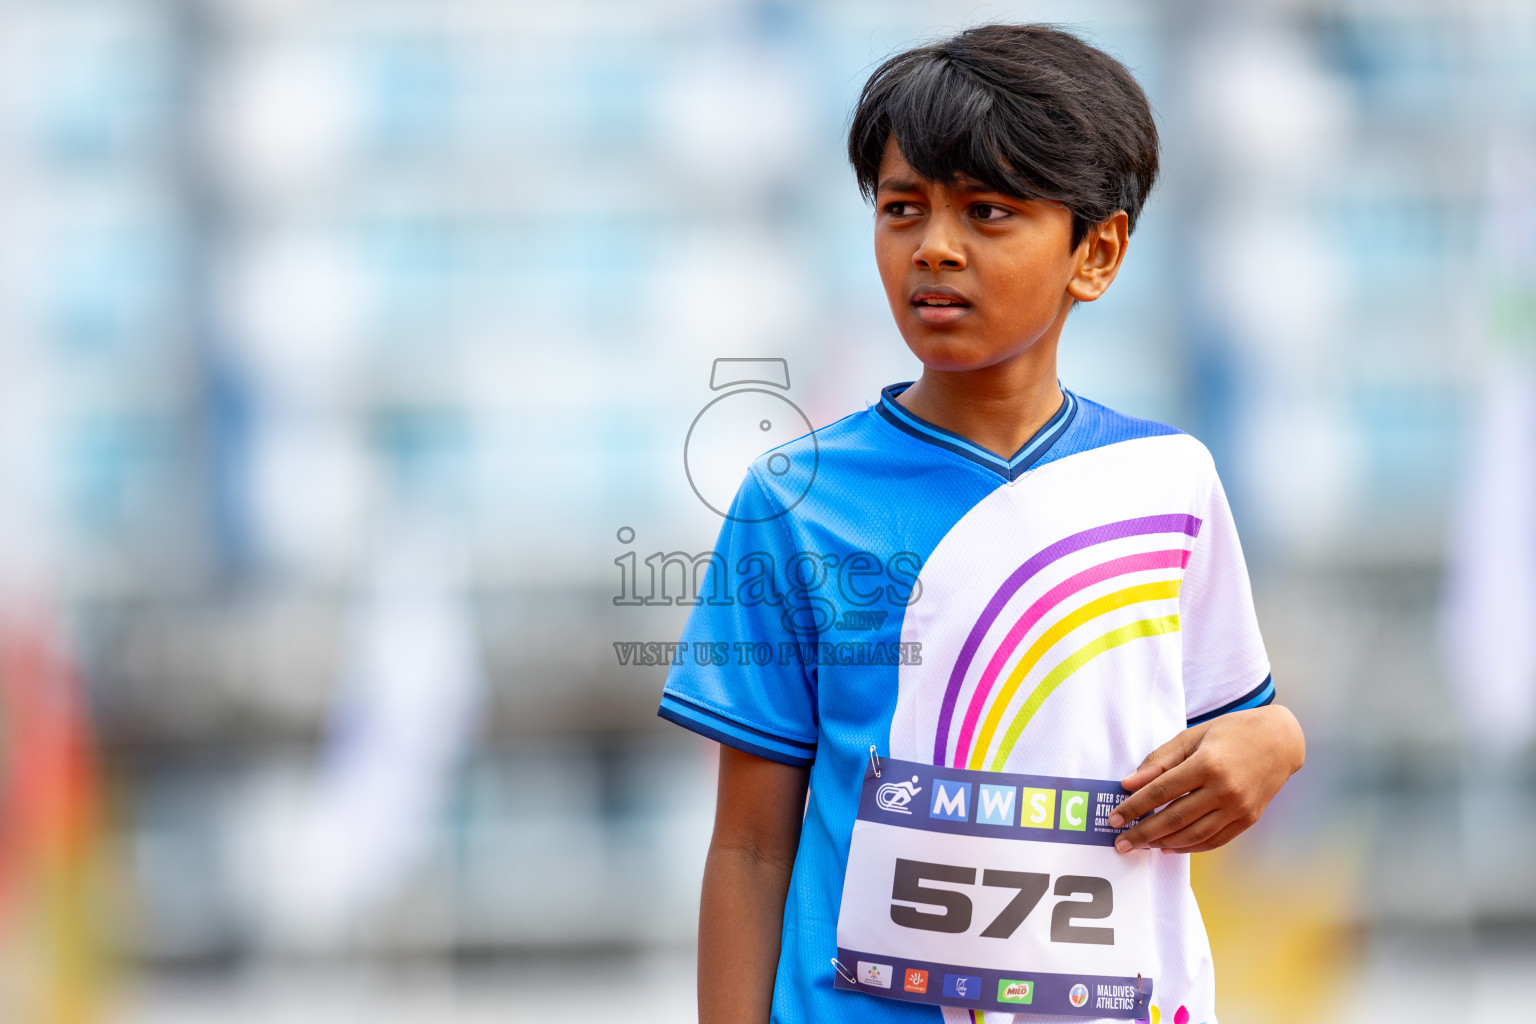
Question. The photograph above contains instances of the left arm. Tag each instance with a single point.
(1216, 778)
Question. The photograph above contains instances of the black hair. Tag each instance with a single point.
(1029, 110)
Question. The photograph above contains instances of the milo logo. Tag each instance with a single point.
(1013, 991)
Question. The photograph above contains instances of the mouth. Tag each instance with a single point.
(937, 306)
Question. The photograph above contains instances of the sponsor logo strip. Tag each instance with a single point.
(874, 975)
(977, 988)
(1039, 808)
(1014, 990)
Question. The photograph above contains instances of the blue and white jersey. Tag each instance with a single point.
(1059, 613)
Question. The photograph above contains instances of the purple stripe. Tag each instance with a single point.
(1175, 523)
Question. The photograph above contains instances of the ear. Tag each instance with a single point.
(1098, 258)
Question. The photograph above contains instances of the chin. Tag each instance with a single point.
(948, 352)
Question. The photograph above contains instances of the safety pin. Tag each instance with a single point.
(848, 975)
(874, 760)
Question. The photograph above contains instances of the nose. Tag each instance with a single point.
(940, 248)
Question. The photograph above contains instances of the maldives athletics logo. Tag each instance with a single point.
(1079, 994)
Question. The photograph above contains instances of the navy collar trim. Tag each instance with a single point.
(1009, 469)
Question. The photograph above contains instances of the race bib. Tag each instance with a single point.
(994, 892)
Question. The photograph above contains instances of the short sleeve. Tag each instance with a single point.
(1225, 665)
(738, 676)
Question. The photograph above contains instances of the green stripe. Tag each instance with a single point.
(1082, 656)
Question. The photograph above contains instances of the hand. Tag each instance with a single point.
(1216, 778)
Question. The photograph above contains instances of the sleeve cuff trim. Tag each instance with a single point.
(696, 709)
(1257, 697)
(736, 737)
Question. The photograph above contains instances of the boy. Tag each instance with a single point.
(999, 609)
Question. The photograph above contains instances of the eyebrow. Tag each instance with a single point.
(963, 183)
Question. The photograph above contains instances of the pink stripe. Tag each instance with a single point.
(1169, 559)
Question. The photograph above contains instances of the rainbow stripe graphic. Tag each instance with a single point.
(983, 714)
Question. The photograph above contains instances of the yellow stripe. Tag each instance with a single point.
(1092, 610)
(1114, 638)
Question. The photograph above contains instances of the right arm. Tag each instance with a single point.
(758, 812)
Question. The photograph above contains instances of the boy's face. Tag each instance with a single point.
(975, 277)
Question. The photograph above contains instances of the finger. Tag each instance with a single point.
(1174, 752)
(1177, 816)
(1168, 786)
(1197, 832)
(1222, 838)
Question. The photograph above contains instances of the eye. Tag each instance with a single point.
(900, 209)
(989, 211)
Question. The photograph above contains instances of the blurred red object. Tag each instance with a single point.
(49, 824)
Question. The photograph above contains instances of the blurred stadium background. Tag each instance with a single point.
(347, 350)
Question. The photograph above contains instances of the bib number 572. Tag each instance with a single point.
(1031, 887)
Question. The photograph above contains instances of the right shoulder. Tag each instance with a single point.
(818, 461)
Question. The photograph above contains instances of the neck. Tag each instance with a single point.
(998, 407)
